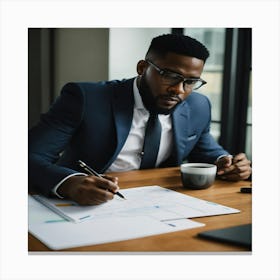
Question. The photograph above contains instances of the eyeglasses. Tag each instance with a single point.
(171, 78)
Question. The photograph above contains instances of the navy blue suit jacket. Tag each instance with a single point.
(91, 122)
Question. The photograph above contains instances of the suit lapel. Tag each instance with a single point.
(180, 120)
(122, 105)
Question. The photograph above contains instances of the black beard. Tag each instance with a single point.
(149, 100)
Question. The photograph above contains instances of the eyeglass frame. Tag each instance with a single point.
(183, 79)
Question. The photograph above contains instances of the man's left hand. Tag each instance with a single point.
(234, 168)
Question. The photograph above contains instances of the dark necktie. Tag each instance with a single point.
(151, 142)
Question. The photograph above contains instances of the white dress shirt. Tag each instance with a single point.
(129, 157)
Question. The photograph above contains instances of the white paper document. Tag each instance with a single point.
(58, 234)
(147, 210)
(154, 201)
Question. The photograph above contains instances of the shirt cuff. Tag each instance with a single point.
(54, 190)
(224, 156)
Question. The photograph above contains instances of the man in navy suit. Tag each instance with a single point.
(104, 125)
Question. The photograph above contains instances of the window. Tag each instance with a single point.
(214, 40)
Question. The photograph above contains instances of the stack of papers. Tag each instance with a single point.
(146, 211)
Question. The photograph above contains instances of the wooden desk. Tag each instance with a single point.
(227, 193)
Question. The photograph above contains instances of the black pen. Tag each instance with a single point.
(90, 171)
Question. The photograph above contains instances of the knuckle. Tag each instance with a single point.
(110, 185)
(103, 196)
(110, 196)
(87, 180)
(238, 170)
(106, 195)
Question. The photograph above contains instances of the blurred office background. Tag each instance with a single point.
(60, 55)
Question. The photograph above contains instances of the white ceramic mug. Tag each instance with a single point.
(198, 175)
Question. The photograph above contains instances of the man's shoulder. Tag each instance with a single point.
(196, 98)
(196, 103)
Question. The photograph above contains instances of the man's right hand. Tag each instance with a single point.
(89, 190)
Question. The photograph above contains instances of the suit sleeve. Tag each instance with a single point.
(206, 148)
(48, 139)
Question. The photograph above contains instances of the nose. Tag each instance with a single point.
(177, 89)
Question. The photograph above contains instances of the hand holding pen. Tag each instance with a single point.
(90, 171)
(89, 190)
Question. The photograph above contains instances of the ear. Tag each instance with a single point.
(141, 67)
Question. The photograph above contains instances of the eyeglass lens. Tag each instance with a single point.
(173, 79)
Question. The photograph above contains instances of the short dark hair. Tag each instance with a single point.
(179, 44)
